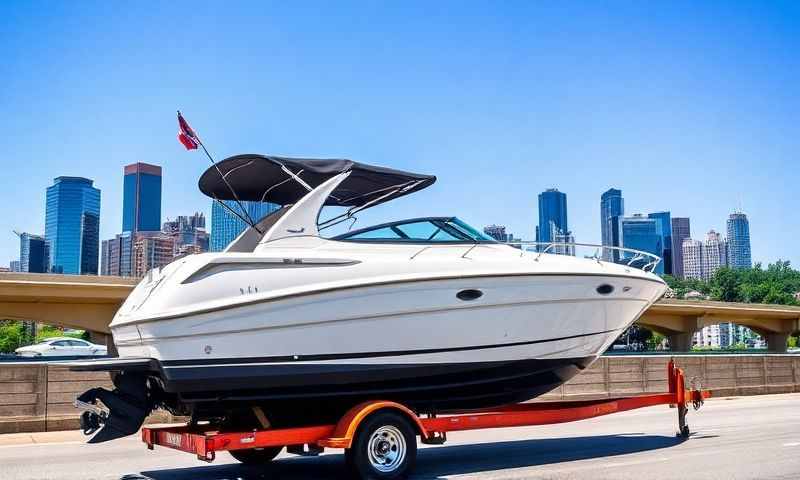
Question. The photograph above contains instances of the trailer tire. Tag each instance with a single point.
(384, 447)
(256, 456)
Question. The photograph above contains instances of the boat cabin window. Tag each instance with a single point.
(419, 230)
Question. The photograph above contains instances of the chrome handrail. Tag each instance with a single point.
(545, 247)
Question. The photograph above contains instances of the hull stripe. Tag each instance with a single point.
(357, 355)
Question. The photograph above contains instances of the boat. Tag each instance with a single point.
(289, 325)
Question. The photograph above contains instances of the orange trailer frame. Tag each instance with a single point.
(431, 429)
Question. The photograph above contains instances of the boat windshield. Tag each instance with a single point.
(419, 230)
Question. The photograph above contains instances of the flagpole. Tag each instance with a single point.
(186, 130)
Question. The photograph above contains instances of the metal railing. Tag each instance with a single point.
(620, 255)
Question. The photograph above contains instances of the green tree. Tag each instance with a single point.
(725, 285)
(777, 284)
(11, 336)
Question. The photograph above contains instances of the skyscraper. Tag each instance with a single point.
(115, 255)
(552, 216)
(702, 259)
(141, 200)
(611, 205)
(225, 226)
(715, 254)
(141, 218)
(739, 241)
(14, 266)
(33, 253)
(642, 233)
(692, 252)
(664, 228)
(680, 231)
(72, 225)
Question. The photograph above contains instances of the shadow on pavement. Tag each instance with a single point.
(435, 462)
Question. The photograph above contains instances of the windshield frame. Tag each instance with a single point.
(448, 224)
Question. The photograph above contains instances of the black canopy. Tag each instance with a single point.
(263, 178)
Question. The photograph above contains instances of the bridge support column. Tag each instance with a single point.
(776, 342)
(680, 342)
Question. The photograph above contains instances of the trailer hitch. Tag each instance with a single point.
(128, 405)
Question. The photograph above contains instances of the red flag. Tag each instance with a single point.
(186, 135)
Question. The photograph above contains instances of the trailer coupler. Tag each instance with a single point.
(128, 405)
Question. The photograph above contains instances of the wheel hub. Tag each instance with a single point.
(386, 449)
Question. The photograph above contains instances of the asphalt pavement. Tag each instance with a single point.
(733, 438)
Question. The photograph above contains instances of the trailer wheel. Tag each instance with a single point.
(384, 447)
(256, 456)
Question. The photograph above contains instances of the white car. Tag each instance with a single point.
(62, 347)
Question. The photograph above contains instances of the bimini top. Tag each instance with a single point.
(284, 181)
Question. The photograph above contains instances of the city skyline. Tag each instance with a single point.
(552, 205)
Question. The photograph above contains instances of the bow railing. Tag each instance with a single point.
(620, 255)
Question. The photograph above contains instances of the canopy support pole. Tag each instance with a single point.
(248, 220)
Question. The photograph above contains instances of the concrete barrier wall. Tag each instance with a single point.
(725, 375)
(39, 397)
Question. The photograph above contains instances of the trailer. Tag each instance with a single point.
(380, 437)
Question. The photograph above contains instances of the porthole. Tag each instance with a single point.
(469, 294)
(605, 289)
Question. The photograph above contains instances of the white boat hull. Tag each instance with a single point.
(337, 340)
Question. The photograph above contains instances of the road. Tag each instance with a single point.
(737, 438)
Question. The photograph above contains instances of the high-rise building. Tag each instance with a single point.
(642, 233)
(715, 254)
(115, 255)
(692, 252)
(225, 226)
(552, 215)
(133, 254)
(498, 232)
(664, 228)
(739, 241)
(151, 251)
(611, 205)
(189, 233)
(72, 225)
(33, 253)
(702, 259)
(680, 231)
(141, 200)
(14, 266)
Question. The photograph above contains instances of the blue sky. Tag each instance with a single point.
(690, 107)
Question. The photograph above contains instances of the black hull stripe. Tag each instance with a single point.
(351, 356)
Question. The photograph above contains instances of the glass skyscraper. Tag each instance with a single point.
(611, 205)
(33, 253)
(72, 225)
(225, 226)
(141, 200)
(642, 233)
(680, 231)
(552, 215)
(739, 241)
(664, 228)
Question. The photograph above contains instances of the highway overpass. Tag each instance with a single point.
(89, 302)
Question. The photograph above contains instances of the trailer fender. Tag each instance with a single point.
(346, 428)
